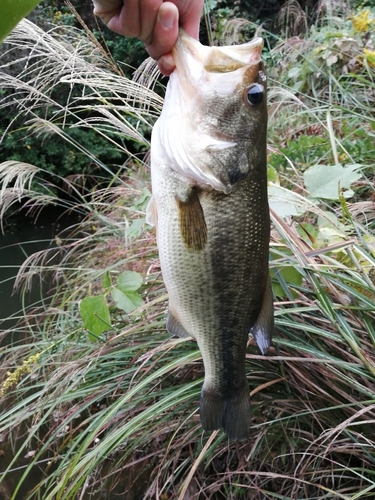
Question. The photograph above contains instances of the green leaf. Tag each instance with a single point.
(106, 281)
(129, 281)
(292, 275)
(308, 232)
(325, 181)
(125, 292)
(210, 5)
(126, 301)
(95, 315)
(294, 72)
(142, 201)
(135, 229)
(287, 275)
(272, 175)
(285, 202)
(11, 13)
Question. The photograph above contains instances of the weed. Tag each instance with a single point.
(112, 393)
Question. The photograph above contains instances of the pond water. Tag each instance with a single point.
(21, 238)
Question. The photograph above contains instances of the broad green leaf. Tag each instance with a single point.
(370, 241)
(129, 281)
(210, 5)
(126, 301)
(331, 220)
(12, 12)
(285, 202)
(95, 315)
(326, 181)
(329, 236)
(288, 274)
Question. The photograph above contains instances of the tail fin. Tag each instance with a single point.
(232, 414)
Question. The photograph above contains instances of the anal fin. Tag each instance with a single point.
(262, 330)
(192, 222)
(174, 327)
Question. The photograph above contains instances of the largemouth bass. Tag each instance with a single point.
(210, 208)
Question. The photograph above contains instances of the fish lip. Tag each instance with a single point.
(231, 58)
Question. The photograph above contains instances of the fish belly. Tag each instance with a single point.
(216, 292)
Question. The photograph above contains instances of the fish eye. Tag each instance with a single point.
(255, 94)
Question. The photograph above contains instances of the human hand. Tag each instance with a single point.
(155, 22)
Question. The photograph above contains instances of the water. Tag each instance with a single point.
(22, 237)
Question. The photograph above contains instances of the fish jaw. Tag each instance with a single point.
(188, 129)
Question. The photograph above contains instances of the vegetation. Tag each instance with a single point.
(67, 153)
(96, 396)
(10, 17)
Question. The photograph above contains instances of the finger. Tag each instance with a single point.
(130, 18)
(121, 16)
(148, 14)
(106, 9)
(190, 14)
(165, 31)
(166, 64)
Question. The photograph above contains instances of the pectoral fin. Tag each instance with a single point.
(151, 212)
(263, 327)
(192, 223)
(174, 327)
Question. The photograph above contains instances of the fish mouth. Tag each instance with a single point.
(191, 54)
(205, 92)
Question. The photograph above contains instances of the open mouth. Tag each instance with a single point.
(219, 59)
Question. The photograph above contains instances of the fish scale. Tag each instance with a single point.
(210, 208)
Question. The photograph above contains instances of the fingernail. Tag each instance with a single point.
(167, 63)
(166, 19)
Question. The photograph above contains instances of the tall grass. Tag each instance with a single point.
(119, 412)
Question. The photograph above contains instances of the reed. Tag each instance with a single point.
(118, 410)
